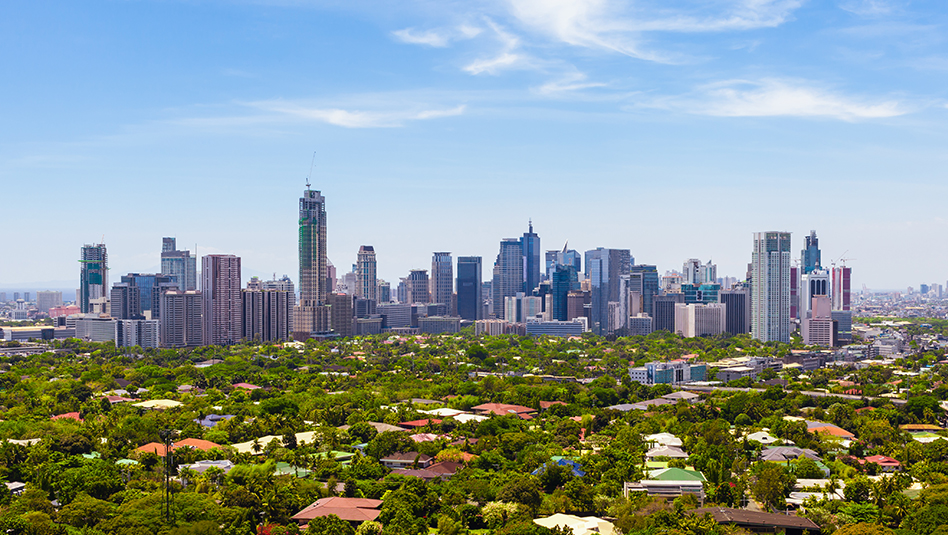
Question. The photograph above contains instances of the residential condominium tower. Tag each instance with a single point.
(442, 279)
(179, 265)
(770, 287)
(93, 276)
(220, 289)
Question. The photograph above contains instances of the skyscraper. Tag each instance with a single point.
(645, 281)
(565, 280)
(45, 300)
(125, 301)
(366, 273)
(810, 255)
(470, 303)
(267, 314)
(442, 279)
(530, 248)
(314, 273)
(180, 324)
(220, 290)
(605, 267)
(737, 315)
(93, 276)
(565, 257)
(179, 265)
(418, 286)
(842, 288)
(770, 287)
(508, 273)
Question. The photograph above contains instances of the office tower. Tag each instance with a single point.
(770, 287)
(470, 300)
(316, 277)
(384, 292)
(530, 246)
(417, 286)
(181, 319)
(340, 313)
(737, 314)
(565, 280)
(16, 296)
(521, 308)
(818, 326)
(810, 256)
(330, 276)
(604, 267)
(125, 302)
(703, 293)
(693, 320)
(812, 284)
(694, 272)
(93, 276)
(508, 273)
(364, 308)
(267, 314)
(395, 315)
(442, 279)
(45, 300)
(3, 297)
(842, 288)
(565, 257)
(149, 286)
(220, 289)
(26, 296)
(645, 281)
(366, 273)
(179, 265)
(663, 311)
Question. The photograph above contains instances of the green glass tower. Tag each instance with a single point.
(314, 286)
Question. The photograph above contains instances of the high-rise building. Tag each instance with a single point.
(818, 326)
(141, 333)
(694, 272)
(470, 302)
(417, 285)
(794, 292)
(737, 314)
(645, 280)
(810, 255)
(604, 268)
(267, 314)
(530, 246)
(663, 311)
(693, 320)
(366, 273)
(315, 279)
(181, 319)
(842, 288)
(564, 281)
(770, 287)
(125, 302)
(340, 313)
(508, 273)
(384, 292)
(46, 300)
(442, 279)
(813, 284)
(521, 308)
(179, 265)
(577, 304)
(93, 276)
(223, 307)
(149, 286)
(566, 257)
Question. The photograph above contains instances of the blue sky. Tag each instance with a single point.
(673, 129)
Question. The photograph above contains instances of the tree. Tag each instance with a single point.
(523, 490)
(863, 528)
(804, 468)
(858, 489)
(329, 525)
(772, 486)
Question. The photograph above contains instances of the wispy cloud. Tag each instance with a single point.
(574, 81)
(354, 118)
(507, 58)
(773, 98)
(437, 38)
(620, 26)
(867, 8)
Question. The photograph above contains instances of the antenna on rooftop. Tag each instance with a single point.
(313, 163)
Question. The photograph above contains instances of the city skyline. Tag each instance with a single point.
(198, 120)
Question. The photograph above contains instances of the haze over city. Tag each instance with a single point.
(673, 131)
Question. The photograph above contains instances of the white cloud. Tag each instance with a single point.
(355, 118)
(437, 38)
(618, 26)
(769, 98)
(573, 81)
(867, 8)
(507, 58)
(430, 37)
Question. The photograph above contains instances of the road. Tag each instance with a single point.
(810, 393)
